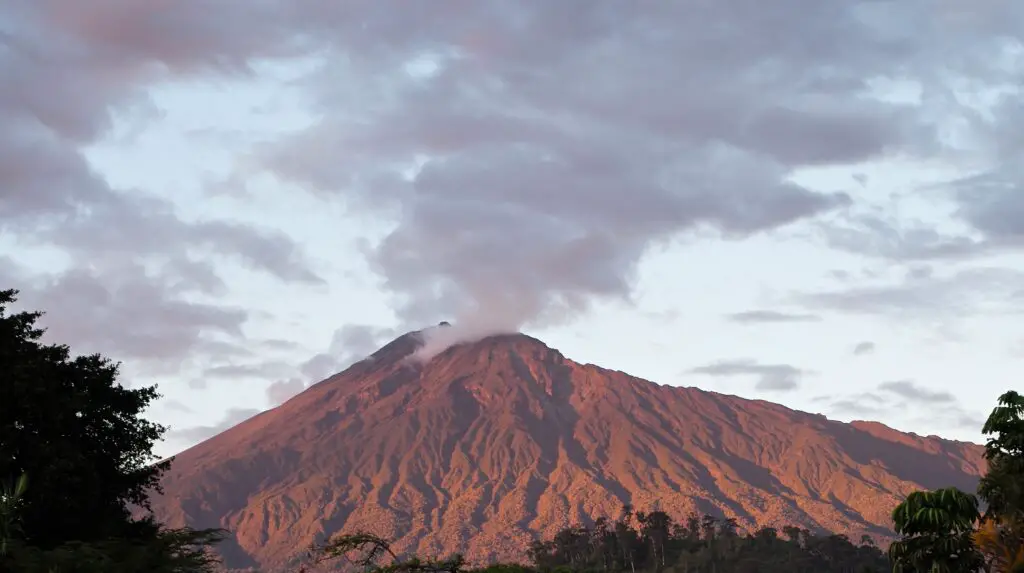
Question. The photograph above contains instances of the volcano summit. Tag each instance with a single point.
(490, 443)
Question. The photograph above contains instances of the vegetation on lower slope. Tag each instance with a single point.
(644, 542)
(78, 454)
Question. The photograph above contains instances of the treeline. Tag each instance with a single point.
(641, 541)
(76, 457)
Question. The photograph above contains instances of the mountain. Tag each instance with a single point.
(490, 443)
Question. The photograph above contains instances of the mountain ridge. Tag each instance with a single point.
(490, 443)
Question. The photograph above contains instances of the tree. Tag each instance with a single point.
(1002, 487)
(935, 529)
(723, 550)
(171, 551)
(366, 551)
(938, 528)
(657, 528)
(626, 537)
(604, 543)
(76, 433)
(1000, 537)
(80, 453)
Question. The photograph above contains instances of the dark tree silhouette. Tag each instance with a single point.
(76, 433)
(702, 544)
(79, 455)
(370, 552)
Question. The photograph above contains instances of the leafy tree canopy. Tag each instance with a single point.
(76, 454)
(76, 433)
(943, 532)
(1003, 486)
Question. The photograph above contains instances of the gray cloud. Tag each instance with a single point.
(992, 202)
(912, 391)
(119, 225)
(770, 316)
(235, 370)
(864, 348)
(959, 293)
(905, 400)
(526, 137)
(176, 406)
(128, 313)
(887, 237)
(281, 390)
(986, 207)
(866, 404)
(349, 344)
(959, 418)
(269, 369)
(110, 300)
(48, 191)
(191, 435)
(536, 154)
(278, 344)
(769, 376)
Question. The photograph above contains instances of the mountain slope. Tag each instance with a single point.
(491, 442)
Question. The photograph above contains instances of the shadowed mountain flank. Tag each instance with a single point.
(491, 443)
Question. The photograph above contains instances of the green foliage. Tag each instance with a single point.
(82, 454)
(643, 543)
(936, 551)
(1003, 486)
(654, 542)
(78, 434)
(367, 551)
(942, 511)
(1006, 426)
(936, 527)
(943, 531)
(1000, 536)
(170, 551)
(502, 568)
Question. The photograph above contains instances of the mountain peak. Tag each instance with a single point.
(419, 347)
(510, 340)
(424, 344)
(495, 439)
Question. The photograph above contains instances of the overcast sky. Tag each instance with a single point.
(813, 203)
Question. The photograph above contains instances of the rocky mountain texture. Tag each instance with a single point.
(491, 443)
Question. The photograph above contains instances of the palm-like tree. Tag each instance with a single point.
(936, 528)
